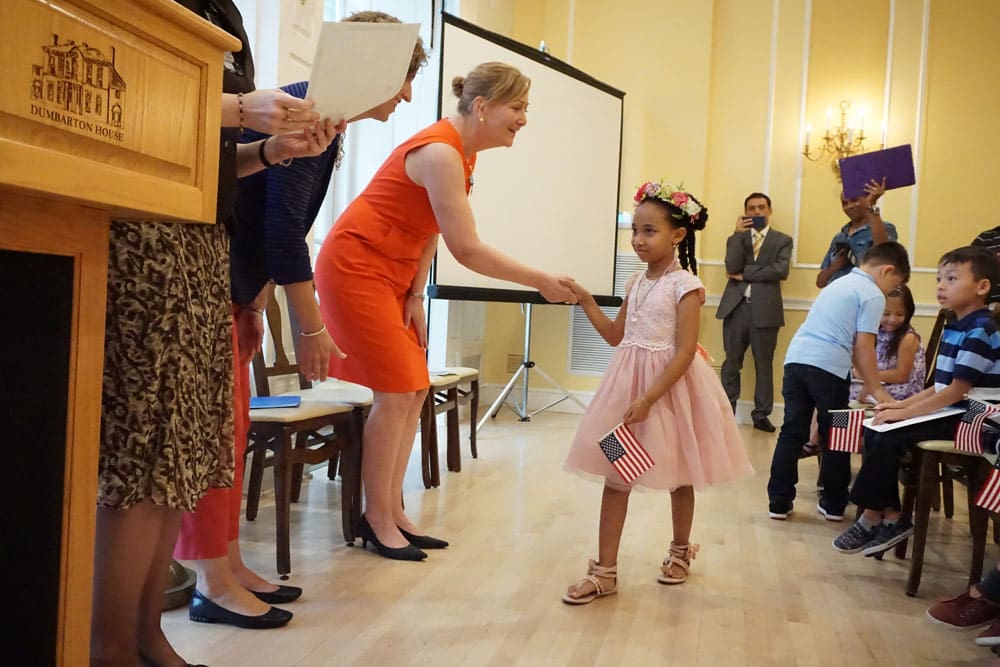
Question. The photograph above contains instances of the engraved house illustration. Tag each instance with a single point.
(79, 79)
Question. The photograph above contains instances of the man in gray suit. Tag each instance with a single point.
(757, 260)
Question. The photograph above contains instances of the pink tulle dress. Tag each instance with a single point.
(690, 432)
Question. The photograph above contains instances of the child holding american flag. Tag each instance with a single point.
(675, 427)
(968, 363)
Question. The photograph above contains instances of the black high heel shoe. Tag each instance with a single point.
(409, 552)
(423, 541)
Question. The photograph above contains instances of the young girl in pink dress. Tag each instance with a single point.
(660, 386)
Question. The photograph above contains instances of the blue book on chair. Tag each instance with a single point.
(262, 402)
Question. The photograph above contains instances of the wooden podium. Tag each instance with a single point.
(109, 109)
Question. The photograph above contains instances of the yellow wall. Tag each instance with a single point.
(717, 95)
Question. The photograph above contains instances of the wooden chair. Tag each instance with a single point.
(342, 392)
(320, 430)
(935, 455)
(447, 395)
(931, 348)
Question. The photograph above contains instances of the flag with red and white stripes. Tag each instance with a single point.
(625, 453)
(969, 433)
(989, 495)
(847, 430)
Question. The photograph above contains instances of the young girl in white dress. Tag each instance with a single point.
(660, 386)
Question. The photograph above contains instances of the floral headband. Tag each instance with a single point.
(674, 196)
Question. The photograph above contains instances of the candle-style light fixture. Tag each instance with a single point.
(839, 142)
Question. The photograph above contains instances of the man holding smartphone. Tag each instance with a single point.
(751, 310)
(864, 229)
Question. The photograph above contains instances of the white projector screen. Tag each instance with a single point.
(551, 200)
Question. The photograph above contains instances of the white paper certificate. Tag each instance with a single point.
(891, 426)
(359, 66)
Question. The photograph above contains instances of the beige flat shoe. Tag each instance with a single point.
(680, 555)
(593, 572)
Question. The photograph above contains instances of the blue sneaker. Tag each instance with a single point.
(888, 536)
(855, 538)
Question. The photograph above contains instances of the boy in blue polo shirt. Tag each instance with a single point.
(968, 363)
(841, 324)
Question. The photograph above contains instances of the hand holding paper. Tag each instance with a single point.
(274, 111)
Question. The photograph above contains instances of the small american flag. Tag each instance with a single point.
(968, 435)
(625, 453)
(846, 430)
(989, 495)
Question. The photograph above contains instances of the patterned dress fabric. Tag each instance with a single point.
(690, 431)
(167, 418)
(899, 390)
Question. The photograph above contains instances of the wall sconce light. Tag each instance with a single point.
(841, 141)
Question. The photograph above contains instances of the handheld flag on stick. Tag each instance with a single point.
(989, 495)
(846, 430)
(968, 434)
(625, 453)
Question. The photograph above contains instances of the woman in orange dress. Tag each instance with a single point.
(371, 272)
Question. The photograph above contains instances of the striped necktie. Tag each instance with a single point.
(758, 241)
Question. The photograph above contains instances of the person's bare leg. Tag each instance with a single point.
(682, 515)
(153, 644)
(406, 442)
(614, 507)
(125, 543)
(218, 583)
(246, 577)
(383, 434)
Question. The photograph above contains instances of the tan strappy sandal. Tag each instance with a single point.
(593, 572)
(680, 555)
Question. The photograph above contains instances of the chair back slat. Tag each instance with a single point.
(931, 350)
(282, 366)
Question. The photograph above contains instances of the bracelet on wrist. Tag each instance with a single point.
(259, 311)
(417, 295)
(263, 158)
(644, 400)
(314, 333)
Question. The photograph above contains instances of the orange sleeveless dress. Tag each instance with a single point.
(366, 267)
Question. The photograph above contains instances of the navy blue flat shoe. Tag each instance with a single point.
(204, 610)
(283, 595)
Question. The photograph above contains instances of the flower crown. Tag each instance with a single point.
(675, 196)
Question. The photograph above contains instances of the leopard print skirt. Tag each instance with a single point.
(167, 416)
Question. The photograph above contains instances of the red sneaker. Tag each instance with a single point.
(964, 612)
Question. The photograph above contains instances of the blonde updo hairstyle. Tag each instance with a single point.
(494, 82)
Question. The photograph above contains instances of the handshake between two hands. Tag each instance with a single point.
(564, 290)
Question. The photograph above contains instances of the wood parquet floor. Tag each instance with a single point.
(761, 592)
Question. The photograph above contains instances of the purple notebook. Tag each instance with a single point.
(894, 164)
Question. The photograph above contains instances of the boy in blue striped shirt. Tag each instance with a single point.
(968, 362)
